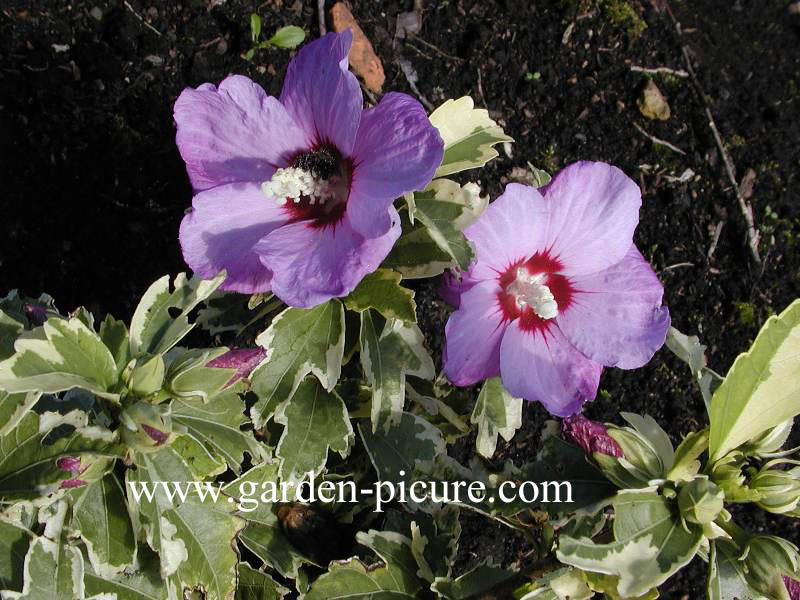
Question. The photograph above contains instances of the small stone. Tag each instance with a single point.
(96, 13)
(794, 8)
(363, 59)
(652, 103)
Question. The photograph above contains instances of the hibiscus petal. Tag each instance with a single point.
(221, 230)
(545, 367)
(452, 285)
(312, 265)
(322, 95)
(511, 229)
(616, 317)
(593, 211)
(473, 334)
(397, 151)
(234, 133)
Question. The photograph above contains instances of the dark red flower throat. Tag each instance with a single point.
(559, 286)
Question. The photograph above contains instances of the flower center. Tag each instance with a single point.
(534, 291)
(314, 187)
(529, 290)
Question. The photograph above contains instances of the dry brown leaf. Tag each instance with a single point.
(363, 59)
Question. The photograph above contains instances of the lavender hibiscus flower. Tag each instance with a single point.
(557, 290)
(294, 195)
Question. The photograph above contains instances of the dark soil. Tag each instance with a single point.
(94, 188)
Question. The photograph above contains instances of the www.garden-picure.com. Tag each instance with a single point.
(310, 214)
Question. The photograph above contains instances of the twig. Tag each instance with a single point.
(434, 48)
(744, 206)
(480, 88)
(321, 16)
(658, 141)
(677, 266)
(659, 70)
(412, 78)
(715, 239)
(138, 16)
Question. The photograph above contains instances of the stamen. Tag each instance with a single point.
(528, 290)
(293, 183)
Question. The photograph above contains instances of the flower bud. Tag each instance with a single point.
(145, 427)
(590, 435)
(769, 441)
(778, 490)
(244, 360)
(767, 558)
(700, 501)
(36, 314)
(792, 587)
(82, 469)
(145, 375)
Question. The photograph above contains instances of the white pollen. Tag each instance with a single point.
(292, 183)
(530, 291)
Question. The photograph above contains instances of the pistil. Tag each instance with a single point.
(530, 290)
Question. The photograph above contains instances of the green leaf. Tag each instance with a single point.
(693, 353)
(762, 388)
(63, 354)
(434, 540)
(153, 330)
(53, 570)
(561, 584)
(287, 37)
(298, 342)
(471, 584)
(100, 514)
(396, 578)
(14, 542)
(188, 376)
(264, 535)
(412, 441)
(114, 334)
(226, 311)
(468, 133)
(194, 537)
(14, 407)
(28, 465)
(217, 425)
(686, 464)
(386, 361)
(144, 583)
(726, 579)
(168, 466)
(441, 217)
(496, 413)
(201, 460)
(415, 255)
(255, 27)
(10, 330)
(255, 585)
(465, 201)
(651, 544)
(382, 291)
(208, 535)
(314, 420)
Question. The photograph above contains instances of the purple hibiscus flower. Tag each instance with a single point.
(294, 195)
(557, 290)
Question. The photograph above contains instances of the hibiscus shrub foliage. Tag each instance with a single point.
(145, 459)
